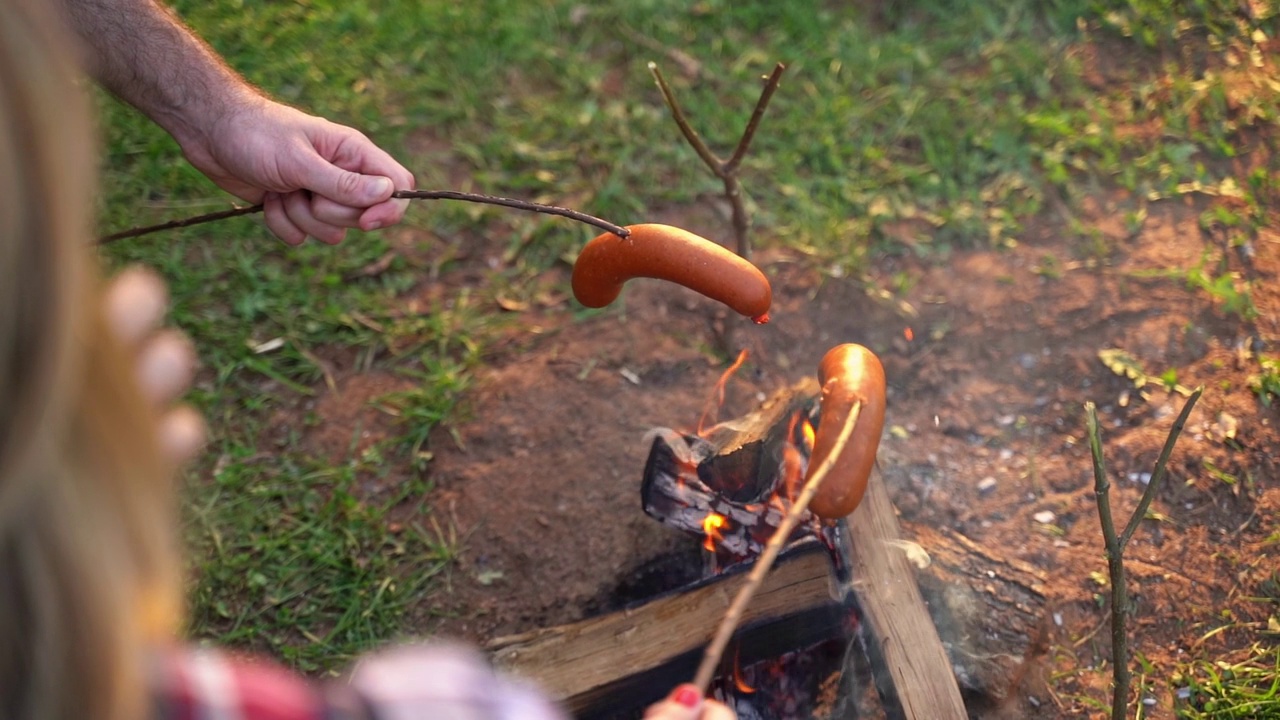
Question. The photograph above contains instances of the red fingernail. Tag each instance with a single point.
(688, 696)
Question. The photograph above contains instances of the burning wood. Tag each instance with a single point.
(731, 486)
(743, 480)
(728, 487)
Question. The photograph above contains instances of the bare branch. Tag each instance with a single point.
(1157, 475)
(691, 135)
(727, 171)
(513, 203)
(175, 224)
(1116, 545)
(744, 142)
(1115, 570)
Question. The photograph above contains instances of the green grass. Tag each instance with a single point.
(959, 119)
(298, 565)
(1246, 689)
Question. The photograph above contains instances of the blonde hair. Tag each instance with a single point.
(88, 566)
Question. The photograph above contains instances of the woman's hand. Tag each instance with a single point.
(687, 703)
(135, 304)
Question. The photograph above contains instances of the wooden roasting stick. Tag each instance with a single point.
(399, 194)
(711, 659)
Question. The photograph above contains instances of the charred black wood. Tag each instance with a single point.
(737, 471)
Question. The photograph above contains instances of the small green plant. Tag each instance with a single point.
(1160, 22)
(1122, 363)
(1227, 288)
(1116, 542)
(1266, 383)
(428, 404)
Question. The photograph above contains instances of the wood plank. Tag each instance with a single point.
(904, 642)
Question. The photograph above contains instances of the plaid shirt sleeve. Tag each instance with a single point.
(206, 684)
(436, 681)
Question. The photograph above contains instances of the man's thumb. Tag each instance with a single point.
(353, 189)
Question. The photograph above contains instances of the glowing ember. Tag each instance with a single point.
(711, 525)
(719, 396)
(748, 473)
(738, 680)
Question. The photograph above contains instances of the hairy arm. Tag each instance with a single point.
(142, 52)
(314, 177)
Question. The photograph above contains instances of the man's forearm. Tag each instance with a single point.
(146, 56)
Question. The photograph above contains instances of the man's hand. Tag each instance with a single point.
(314, 178)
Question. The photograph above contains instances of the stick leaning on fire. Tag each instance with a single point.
(853, 402)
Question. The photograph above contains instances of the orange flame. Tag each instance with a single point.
(719, 396)
(739, 681)
(711, 525)
(792, 471)
(793, 462)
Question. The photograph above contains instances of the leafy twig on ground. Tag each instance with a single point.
(714, 651)
(1115, 544)
(400, 194)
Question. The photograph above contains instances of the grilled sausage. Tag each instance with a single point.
(669, 253)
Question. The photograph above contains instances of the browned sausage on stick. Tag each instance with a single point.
(849, 374)
(669, 253)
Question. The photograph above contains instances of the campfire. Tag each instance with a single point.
(837, 612)
(729, 488)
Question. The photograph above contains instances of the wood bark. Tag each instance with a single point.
(990, 611)
(908, 660)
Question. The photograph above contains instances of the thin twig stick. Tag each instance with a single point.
(691, 135)
(1115, 569)
(1115, 544)
(399, 194)
(726, 170)
(513, 203)
(766, 94)
(711, 658)
(1157, 475)
(175, 224)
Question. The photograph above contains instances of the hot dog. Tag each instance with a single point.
(669, 253)
(849, 374)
